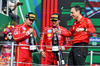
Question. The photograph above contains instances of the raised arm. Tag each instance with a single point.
(18, 35)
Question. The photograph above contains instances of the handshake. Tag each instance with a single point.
(19, 3)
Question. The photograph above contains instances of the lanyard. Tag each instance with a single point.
(57, 29)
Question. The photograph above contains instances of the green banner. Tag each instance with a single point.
(4, 21)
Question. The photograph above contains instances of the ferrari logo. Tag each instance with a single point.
(73, 28)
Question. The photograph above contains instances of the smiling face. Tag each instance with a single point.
(55, 23)
(28, 21)
(75, 14)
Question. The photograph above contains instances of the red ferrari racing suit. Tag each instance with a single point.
(45, 44)
(78, 54)
(82, 36)
(21, 36)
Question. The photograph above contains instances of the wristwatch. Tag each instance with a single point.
(84, 29)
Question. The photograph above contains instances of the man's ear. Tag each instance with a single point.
(78, 11)
(59, 20)
(25, 19)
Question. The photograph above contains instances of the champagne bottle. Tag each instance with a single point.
(55, 43)
(32, 43)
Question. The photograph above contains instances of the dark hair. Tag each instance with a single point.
(77, 7)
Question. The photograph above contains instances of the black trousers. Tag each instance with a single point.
(78, 55)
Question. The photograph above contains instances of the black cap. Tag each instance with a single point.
(30, 15)
(55, 16)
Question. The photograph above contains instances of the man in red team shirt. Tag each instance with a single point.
(45, 44)
(80, 30)
(21, 35)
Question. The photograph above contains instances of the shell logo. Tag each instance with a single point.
(49, 35)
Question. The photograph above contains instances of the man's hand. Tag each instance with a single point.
(43, 54)
(30, 30)
(55, 30)
(16, 4)
(19, 3)
(79, 29)
(58, 32)
(60, 48)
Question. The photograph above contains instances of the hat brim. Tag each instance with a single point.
(32, 18)
(53, 19)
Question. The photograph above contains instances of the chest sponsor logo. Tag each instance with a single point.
(73, 27)
(16, 32)
(49, 38)
(27, 41)
(80, 22)
(49, 31)
(24, 28)
(75, 23)
(79, 26)
(49, 35)
(23, 31)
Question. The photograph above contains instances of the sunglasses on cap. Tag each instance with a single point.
(53, 20)
(31, 20)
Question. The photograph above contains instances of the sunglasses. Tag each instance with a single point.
(31, 20)
(53, 20)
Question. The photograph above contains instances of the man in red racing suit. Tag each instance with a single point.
(21, 35)
(45, 44)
